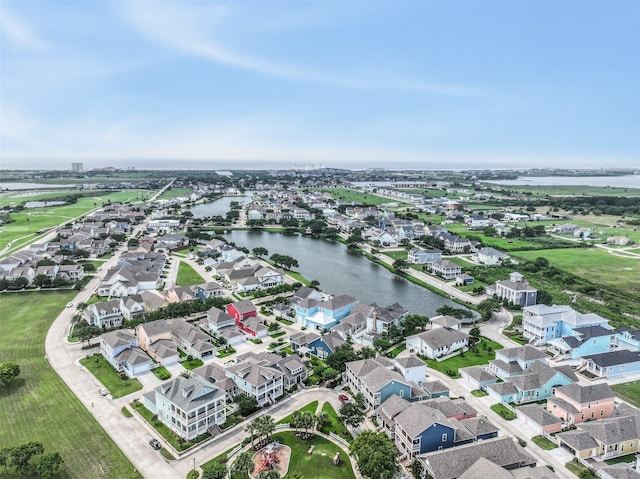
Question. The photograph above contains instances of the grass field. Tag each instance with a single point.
(26, 223)
(174, 193)
(348, 195)
(594, 263)
(568, 190)
(311, 407)
(544, 443)
(39, 406)
(630, 392)
(187, 276)
(336, 426)
(504, 412)
(483, 356)
(109, 377)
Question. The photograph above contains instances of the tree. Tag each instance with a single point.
(215, 470)
(21, 455)
(269, 474)
(474, 335)
(544, 297)
(8, 372)
(341, 355)
(259, 251)
(353, 413)
(246, 404)
(243, 464)
(400, 264)
(49, 464)
(375, 455)
(42, 281)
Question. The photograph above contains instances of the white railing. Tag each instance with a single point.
(234, 450)
(339, 439)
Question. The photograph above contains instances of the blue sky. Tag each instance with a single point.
(430, 84)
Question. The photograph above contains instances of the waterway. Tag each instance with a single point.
(627, 181)
(219, 207)
(341, 271)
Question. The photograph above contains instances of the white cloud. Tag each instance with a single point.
(18, 32)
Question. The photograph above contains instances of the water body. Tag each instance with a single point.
(628, 181)
(341, 271)
(42, 204)
(31, 186)
(219, 207)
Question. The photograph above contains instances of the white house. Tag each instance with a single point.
(438, 342)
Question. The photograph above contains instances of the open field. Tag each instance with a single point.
(630, 392)
(187, 276)
(39, 406)
(594, 263)
(26, 223)
(572, 190)
(174, 193)
(345, 194)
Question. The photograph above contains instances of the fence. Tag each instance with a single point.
(341, 440)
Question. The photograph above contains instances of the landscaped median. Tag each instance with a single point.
(504, 412)
(117, 384)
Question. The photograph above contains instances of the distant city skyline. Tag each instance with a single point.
(407, 84)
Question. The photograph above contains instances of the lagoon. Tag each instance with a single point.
(627, 181)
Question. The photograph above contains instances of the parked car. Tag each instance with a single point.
(154, 443)
(69, 305)
(104, 391)
(344, 399)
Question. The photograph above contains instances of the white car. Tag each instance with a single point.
(104, 391)
(69, 305)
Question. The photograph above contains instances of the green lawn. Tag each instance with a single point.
(187, 276)
(620, 459)
(364, 198)
(109, 377)
(192, 364)
(579, 470)
(174, 193)
(318, 465)
(395, 255)
(478, 393)
(336, 425)
(451, 365)
(630, 392)
(39, 406)
(503, 411)
(544, 443)
(162, 373)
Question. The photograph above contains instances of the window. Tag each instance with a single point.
(401, 393)
(602, 412)
(444, 437)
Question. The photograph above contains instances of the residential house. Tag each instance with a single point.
(188, 406)
(453, 463)
(622, 470)
(565, 229)
(538, 417)
(446, 269)
(455, 244)
(105, 314)
(628, 338)
(576, 404)
(264, 383)
(217, 376)
(217, 322)
(324, 314)
(210, 289)
(618, 240)
(191, 339)
(156, 339)
(382, 318)
(612, 363)
(444, 321)
(178, 294)
(120, 349)
(245, 314)
(464, 279)
(542, 323)
(323, 346)
(422, 256)
(489, 256)
(536, 383)
(438, 342)
(484, 468)
(71, 272)
(478, 377)
(515, 290)
(515, 361)
(132, 306)
(583, 342)
(603, 439)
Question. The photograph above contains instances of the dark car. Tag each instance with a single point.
(154, 443)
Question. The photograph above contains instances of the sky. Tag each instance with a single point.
(354, 83)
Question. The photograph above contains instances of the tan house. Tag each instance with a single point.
(155, 338)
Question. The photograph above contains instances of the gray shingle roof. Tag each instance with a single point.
(526, 353)
(441, 337)
(613, 430)
(189, 393)
(478, 373)
(538, 414)
(587, 394)
(452, 463)
(614, 358)
(418, 417)
(578, 440)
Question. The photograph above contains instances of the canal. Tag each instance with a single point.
(341, 271)
(219, 207)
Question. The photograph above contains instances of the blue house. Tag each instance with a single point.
(537, 383)
(628, 338)
(325, 345)
(543, 323)
(324, 314)
(584, 341)
(612, 363)
(420, 429)
(120, 349)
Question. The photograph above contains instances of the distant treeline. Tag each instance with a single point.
(608, 205)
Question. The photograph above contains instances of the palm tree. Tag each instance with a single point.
(268, 426)
(269, 474)
(308, 421)
(321, 419)
(243, 464)
(252, 427)
(295, 420)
